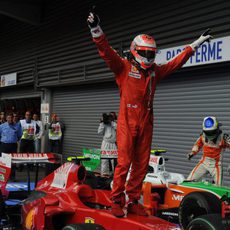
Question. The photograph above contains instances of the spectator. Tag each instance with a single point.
(37, 140)
(16, 118)
(30, 129)
(2, 118)
(16, 121)
(56, 129)
(107, 128)
(10, 134)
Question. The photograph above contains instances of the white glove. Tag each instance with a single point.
(190, 155)
(93, 23)
(205, 37)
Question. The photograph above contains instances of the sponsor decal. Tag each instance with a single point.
(132, 106)
(109, 153)
(61, 175)
(153, 159)
(177, 197)
(134, 72)
(31, 155)
(2, 178)
(95, 159)
(152, 176)
(2, 170)
(169, 213)
(89, 220)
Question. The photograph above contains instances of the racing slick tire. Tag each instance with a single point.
(197, 204)
(83, 227)
(209, 222)
(2, 205)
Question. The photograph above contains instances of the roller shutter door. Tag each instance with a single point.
(13, 93)
(181, 102)
(80, 108)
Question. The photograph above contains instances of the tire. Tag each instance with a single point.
(83, 227)
(2, 205)
(197, 204)
(209, 222)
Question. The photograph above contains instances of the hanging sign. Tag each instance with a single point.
(218, 50)
(8, 79)
(45, 108)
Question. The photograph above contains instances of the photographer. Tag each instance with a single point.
(107, 128)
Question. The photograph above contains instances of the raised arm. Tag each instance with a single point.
(179, 60)
(111, 57)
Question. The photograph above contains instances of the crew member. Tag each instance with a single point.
(213, 142)
(29, 129)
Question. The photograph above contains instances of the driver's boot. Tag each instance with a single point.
(118, 205)
(136, 208)
(117, 209)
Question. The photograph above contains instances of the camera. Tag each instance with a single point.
(106, 118)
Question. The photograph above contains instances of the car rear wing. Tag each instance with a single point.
(7, 159)
(33, 158)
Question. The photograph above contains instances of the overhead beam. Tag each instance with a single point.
(29, 11)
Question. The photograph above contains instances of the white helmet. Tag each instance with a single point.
(210, 127)
(143, 49)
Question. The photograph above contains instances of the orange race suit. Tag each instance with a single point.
(135, 122)
(211, 160)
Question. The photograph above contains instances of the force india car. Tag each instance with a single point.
(170, 197)
(62, 201)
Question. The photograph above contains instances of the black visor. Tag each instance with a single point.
(149, 54)
(211, 133)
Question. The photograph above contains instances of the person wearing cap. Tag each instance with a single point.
(213, 142)
(56, 129)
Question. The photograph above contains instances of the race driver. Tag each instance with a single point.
(213, 142)
(137, 79)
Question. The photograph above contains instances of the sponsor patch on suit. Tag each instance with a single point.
(134, 72)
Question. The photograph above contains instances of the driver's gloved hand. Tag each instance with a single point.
(190, 155)
(93, 22)
(205, 37)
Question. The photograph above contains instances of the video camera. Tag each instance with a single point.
(106, 118)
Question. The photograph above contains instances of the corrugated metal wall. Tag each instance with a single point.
(181, 102)
(80, 109)
(60, 52)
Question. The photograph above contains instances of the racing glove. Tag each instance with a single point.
(93, 23)
(205, 37)
(190, 155)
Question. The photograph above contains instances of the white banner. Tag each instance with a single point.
(218, 50)
(8, 79)
(45, 108)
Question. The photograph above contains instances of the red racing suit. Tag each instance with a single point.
(135, 121)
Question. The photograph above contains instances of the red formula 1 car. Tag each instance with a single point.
(62, 201)
(11, 192)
